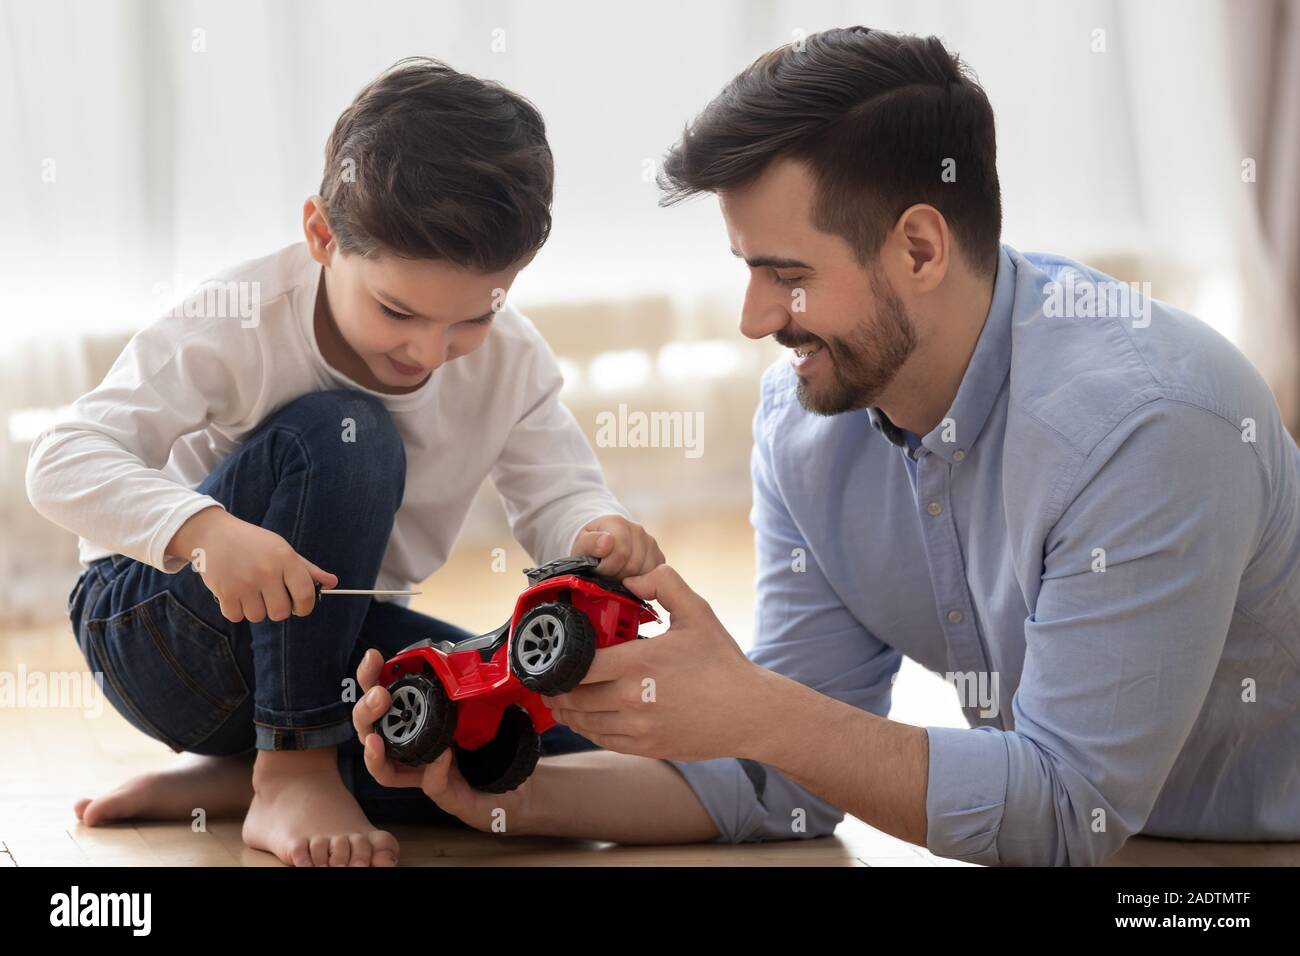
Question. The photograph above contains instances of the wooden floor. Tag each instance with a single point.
(51, 756)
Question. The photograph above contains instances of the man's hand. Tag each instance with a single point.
(441, 780)
(624, 547)
(689, 694)
(254, 573)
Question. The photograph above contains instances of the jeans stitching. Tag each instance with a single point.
(296, 436)
(155, 633)
(101, 652)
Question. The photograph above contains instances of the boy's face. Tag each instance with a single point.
(403, 318)
(847, 327)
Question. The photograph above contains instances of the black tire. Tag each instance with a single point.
(506, 762)
(552, 648)
(420, 724)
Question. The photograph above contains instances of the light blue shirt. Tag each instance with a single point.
(1099, 547)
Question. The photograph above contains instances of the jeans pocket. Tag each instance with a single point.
(173, 675)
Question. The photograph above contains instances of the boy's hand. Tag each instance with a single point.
(441, 780)
(252, 572)
(624, 547)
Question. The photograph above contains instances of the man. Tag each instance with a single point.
(1078, 504)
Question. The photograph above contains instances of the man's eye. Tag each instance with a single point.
(789, 283)
(400, 316)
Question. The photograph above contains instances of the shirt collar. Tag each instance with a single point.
(986, 372)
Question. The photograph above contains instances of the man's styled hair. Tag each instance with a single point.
(428, 163)
(875, 116)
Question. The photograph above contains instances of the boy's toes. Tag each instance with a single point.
(340, 850)
(384, 852)
(359, 850)
(113, 806)
(320, 851)
(300, 853)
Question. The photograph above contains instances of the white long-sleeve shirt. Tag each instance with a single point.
(120, 468)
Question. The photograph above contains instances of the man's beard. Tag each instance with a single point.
(862, 363)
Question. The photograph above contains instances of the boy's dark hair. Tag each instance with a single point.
(874, 115)
(428, 163)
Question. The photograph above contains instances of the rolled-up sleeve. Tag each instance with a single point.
(802, 630)
(1139, 583)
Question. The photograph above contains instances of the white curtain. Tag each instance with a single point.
(148, 143)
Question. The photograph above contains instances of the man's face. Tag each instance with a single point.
(849, 331)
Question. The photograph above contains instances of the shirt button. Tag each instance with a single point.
(958, 455)
(954, 617)
(934, 508)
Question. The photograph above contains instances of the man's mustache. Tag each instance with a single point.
(785, 340)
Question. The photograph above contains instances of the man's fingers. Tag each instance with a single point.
(369, 709)
(368, 671)
(666, 586)
(386, 771)
(611, 663)
(587, 723)
(588, 697)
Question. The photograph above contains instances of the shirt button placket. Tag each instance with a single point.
(947, 569)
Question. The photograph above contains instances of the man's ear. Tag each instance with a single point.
(316, 230)
(925, 245)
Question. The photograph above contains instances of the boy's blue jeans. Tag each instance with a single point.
(327, 473)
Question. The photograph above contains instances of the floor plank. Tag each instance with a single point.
(50, 756)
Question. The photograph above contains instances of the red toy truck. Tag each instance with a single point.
(481, 695)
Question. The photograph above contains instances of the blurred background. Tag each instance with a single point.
(150, 143)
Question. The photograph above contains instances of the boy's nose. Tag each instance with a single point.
(429, 353)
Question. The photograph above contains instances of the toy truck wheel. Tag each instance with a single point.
(506, 762)
(420, 723)
(552, 648)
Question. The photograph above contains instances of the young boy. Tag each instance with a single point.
(333, 433)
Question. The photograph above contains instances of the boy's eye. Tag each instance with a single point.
(789, 283)
(400, 316)
(481, 320)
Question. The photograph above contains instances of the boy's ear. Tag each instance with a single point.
(316, 230)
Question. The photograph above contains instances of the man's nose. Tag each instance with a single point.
(764, 311)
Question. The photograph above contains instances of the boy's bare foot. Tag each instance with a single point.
(221, 786)
(302, 812)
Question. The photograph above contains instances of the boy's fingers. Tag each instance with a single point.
(230, 611)
(319, 574)
(636, 556)
(253, 607)
(278, 601)
(302, 589)
(595, 543)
